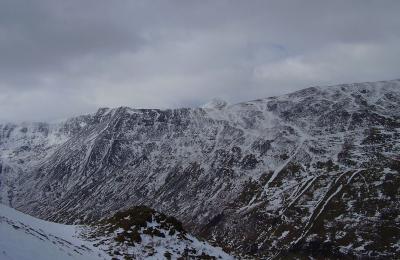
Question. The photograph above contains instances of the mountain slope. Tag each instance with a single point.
(140, 233)
(314, 172)
(23, 237)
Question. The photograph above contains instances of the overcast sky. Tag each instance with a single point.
(69, 57)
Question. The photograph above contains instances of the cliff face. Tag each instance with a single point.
(312, 172)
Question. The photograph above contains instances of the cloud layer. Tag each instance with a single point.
(62, 58)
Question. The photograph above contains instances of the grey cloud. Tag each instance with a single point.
(60, 58)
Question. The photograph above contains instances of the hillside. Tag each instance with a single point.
(23, 237)
(138, 233)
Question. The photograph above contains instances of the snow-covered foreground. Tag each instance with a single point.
(23, 237)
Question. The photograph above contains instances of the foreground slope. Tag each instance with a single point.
(314, 172)
(23, 237)
(139, 233)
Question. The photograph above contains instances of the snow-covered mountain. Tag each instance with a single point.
(139, 233)
(314, 172)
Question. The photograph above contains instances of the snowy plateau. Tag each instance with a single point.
(311, 174)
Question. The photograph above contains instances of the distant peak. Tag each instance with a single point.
(103, 110)
(215, 103)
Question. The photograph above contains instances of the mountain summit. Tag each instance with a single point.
(215, 103)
